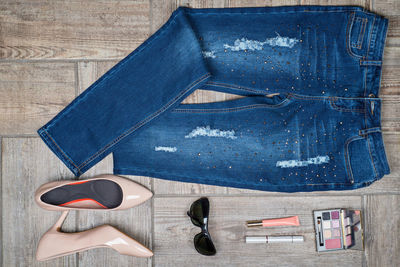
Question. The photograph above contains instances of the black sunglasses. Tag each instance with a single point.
(198, 213)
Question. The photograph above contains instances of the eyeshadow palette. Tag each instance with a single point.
(338, 229)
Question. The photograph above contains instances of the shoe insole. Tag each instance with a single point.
(103, 193)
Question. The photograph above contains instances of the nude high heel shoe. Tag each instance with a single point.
(108, 191)
(55, 243)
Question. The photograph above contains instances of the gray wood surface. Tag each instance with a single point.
(51, 51)
(227, 228)
(382, 241)
(32, 93)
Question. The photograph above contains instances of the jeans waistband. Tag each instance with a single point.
(366, 34)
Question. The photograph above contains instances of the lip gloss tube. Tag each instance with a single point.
(275, 239)
(289, 221)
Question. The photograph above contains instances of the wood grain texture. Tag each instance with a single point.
(161, 10)
(33, 93)
(390, 83)
(89, 72)
(382, 224)
(363, 3)
(174, 232)
(389, 9)
(72, 29)
(27, 164)
(96, 34)
(250, 3)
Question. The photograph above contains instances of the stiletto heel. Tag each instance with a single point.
(55, 243)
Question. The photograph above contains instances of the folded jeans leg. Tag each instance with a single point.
(154, 77)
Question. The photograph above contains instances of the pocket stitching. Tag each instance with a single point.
(233, 109)
(350, 23)
(334, 106)
(360, 38)
(347, 159)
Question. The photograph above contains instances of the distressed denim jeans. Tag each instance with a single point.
(309, 118)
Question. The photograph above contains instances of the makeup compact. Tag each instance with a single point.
(338, 229)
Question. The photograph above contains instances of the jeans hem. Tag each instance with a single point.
(275, 9)
(51, 143)
(245, 185)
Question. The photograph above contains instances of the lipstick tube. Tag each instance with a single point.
(275, 239)
(289, 221)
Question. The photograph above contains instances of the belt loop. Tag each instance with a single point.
(370, 62)
(372, 107)
(369, 130)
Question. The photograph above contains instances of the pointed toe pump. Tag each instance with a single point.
(101, 192)
(55, 243)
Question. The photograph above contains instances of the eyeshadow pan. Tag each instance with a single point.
(335, 224)
(336, 233)
(348, 240)
(332, 243)
(348, 230)
(327, 233)
(335, 214)
(326, 215)
(326, 224)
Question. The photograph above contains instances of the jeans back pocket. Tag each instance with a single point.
(356, 35)
(358, 160)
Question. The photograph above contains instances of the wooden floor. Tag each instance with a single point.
(50, 51)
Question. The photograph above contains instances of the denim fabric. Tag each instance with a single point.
(310, 118)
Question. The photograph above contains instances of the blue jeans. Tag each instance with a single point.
(309, 119)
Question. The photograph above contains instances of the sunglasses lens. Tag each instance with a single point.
(204, 245)
(199, 211)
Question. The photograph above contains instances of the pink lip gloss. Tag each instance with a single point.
(289, 221)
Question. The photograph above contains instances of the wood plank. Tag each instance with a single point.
(364, 3)
(391, 10)
(90, 71)
(382, 228)
(165, 187)
(251, 3)
(173, 232)
(33, 93)
(60, 29)
(390, 83)
(161, 10)
(390, 119)
(27, 164)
